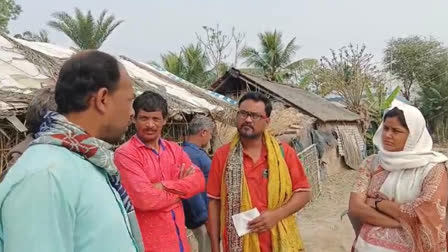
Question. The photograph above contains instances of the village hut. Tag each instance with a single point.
(28, 66)
(307, 121)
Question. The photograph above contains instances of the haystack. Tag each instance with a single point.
(288, 124)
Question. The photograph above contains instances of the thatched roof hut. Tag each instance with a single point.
(234, 83)
(27, 66)
(328, 122)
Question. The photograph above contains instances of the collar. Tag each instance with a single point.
(139, 143)
(191, 145)
(264, 152)
(194, 146)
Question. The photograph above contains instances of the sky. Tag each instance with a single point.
(153, 27)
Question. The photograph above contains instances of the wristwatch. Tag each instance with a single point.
(376, 203)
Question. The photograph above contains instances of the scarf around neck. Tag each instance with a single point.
(57, 130)
(418, 149)
(409, 167)
(235, 198)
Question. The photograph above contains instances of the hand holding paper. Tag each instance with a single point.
(265, 222)
(241, 221)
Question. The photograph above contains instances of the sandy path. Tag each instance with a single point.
(320, 223)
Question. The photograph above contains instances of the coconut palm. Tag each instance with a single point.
(42, 36)
(195, 62)
(190, 64)
(83, 29)
(274, 59)
(173, 63)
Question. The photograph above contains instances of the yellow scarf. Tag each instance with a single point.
(285, 235)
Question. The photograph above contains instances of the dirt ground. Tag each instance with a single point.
(320, 223)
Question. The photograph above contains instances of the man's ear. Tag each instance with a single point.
(101, 100)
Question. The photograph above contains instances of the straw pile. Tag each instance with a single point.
(223, 135)
(289, 121)
(286, 124)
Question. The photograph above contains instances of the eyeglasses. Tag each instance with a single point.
(244, 114)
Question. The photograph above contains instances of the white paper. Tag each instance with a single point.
(241, 220)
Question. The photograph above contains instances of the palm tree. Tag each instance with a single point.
(273, 59)
(195, 62)
(190, 64)
(173, 63)
(84, 30)
(42, 36)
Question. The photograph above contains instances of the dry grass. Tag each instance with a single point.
(9, 137)
(289, 121)
(224, 134)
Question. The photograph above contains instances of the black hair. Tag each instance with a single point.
(42, 102)
(257, 96)
(398, 113)
(83, 75)
(150, 102)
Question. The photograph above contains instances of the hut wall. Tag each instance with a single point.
(9, 137)
(332, 163)
(289, 124)
(223, 135)
(350, 142)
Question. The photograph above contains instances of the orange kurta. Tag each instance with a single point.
(257, 180)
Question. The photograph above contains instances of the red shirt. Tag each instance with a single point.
(159, 212)
(257, 182)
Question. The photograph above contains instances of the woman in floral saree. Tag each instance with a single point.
(401, 194)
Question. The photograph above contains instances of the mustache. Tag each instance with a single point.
(247, 125)
(149, 128)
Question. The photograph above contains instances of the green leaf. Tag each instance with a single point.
(83, 29)
(391, 97)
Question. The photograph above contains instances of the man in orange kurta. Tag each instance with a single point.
(252, 120)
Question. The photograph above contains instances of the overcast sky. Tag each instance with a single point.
(153, 27)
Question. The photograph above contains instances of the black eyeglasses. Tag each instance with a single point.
(244, 114)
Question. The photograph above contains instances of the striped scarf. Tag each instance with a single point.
(57, 130)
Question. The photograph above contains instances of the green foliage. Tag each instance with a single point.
(273, 57)
(412, 59)
(83, 29)
(190, 64)
(9, 10)
(349, 73)
(377, 101)
(42, 36)
(434, 106)
(423, 62)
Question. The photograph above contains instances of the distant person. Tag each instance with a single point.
(42, 102)
(200, 132)
(399, 200)
(256, 171)
(64, 193)
(158, 174)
